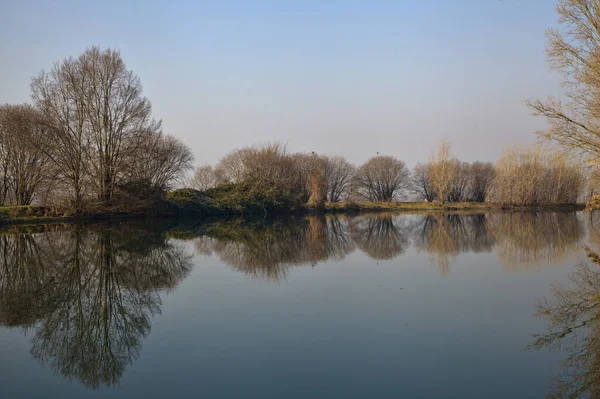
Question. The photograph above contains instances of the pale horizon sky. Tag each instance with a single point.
(347, 77)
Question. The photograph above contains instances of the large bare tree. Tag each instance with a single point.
(381, 178)
(96, 111)
(574, 51)
(59, 94)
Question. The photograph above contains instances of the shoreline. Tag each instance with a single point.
(40, 215)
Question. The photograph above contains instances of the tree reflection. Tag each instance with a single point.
(380, 236)
(444, 236)
(269, 248)
(574, 325)
(90, 293)
(526, 239)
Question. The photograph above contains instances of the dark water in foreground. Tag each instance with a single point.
(406, 306)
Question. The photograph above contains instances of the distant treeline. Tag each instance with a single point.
(527, 176)
(88, 144)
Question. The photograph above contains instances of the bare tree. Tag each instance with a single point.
(230, 168)
(340, 174)
(381, 178)
(481, 177)
(442, 171)
(268, 171)
(575, 52)
(204, 178)
(270, 165)
(532, 177)
(23, 166)
(421, 183)
(160, 161)
(318, 181)
(97, 113)
(459, 186)
(59, 94)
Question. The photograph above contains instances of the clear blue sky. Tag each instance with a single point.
(335, 77)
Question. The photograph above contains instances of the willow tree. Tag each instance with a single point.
(96, 110)
(442, 171)
(574, 51)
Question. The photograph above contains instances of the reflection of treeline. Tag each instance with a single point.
(88, 293)
(444, 236)
(533, 238)
(521, 239)
(268, 247)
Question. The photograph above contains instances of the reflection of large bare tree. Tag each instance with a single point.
(24, 280)
(574, 325)
(93, 295)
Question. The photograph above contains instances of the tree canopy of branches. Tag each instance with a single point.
(481, 177)
(339, 178)
(574, 52)
(23, 167)
(204, 178)
(299, 177)
(532, 177)
(381, 178)
(421, 183)
(442, 171)
(100, 128)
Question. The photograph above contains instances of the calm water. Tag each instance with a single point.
(412, 306)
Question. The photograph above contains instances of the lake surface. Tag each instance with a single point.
(501, 305)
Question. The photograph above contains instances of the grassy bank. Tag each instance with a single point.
(202, 206)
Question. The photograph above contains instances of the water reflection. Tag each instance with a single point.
(268, 248)
(89, 294)
(535, 239)
(446, 236)
(380, 236)
(573, 316)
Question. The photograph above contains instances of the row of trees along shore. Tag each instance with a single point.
(529, 176)
(88, 144)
